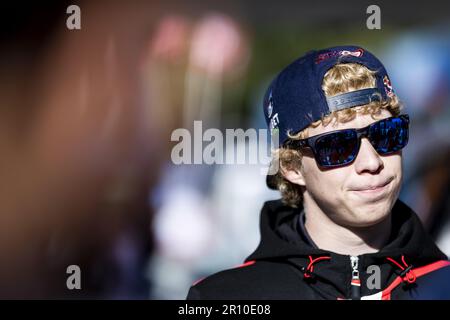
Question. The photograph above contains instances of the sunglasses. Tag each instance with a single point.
(340, 147)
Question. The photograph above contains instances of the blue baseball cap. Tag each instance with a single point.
(295, 98)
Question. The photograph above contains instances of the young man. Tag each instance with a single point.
(339, 231)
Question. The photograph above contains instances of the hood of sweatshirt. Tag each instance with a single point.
(284, 241)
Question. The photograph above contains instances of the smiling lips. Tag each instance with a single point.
(373, 188)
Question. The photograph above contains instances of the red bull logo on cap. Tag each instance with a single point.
(331, 54)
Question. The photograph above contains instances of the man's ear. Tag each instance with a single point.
(293, 176)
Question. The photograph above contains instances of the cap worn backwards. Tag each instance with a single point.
(295, 98)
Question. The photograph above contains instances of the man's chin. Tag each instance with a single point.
(369, 218)
(368, 215)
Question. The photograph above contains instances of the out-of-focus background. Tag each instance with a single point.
(86, 117)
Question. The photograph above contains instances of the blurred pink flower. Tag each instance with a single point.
(218, 45)
(170, 38)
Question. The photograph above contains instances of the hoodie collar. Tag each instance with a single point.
(303, 232)
(283, 235)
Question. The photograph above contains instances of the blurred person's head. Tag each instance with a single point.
(354, 182)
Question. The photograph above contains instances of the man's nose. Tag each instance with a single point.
(368, 159)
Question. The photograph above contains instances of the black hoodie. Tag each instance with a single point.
(287, 265)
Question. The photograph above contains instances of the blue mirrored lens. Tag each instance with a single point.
(337, 148)
(388, 136)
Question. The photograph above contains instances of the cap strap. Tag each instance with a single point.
(352, 99)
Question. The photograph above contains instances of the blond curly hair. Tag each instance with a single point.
(341, 78)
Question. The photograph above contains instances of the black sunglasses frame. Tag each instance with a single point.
(360, 133)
